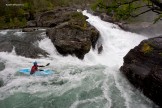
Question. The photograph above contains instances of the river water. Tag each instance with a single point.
(94, 82)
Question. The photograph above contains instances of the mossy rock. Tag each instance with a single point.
(78, 20)
(146, 48)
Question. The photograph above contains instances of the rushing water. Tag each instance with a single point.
(94, 82)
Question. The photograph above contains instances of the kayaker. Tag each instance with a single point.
(35, 68)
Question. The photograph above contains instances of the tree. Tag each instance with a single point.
(2, 7)
(123, 9)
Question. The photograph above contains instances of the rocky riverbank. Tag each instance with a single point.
(143, 68)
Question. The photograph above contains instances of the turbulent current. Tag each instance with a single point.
(94, 82)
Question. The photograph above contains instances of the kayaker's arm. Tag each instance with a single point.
(41, 66)
(44, 66)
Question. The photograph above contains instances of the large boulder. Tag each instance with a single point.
(69, 40)
(74, 35)
(143, 68)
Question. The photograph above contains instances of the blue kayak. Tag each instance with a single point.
(44, 72)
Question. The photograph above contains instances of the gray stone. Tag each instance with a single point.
(29, 29)
(31, 23)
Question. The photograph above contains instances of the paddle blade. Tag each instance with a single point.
(47, 64)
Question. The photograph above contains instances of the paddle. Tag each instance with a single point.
(44, 66)
(47, 64)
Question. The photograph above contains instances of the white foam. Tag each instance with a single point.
(116, 42)
(4, 32)
(19, 33)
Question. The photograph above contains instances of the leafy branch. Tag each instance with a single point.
(124, 9)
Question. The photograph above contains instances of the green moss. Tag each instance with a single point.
(96, 4)
(77, 20)
(78, 27)
(77, 15)
(13, 23)
(146, 48)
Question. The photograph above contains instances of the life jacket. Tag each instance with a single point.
(34, 69)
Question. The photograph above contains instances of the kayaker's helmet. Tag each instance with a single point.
(35, 63)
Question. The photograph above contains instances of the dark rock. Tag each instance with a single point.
(100, 49)
(2, 66)
(31, 23)
(1, 82)
(106, 17)
(30, 15)
(71, 34)
(29, 29)
(72, 40)
(54, 17)
(136, 73)
(153, 85)
(143, 68)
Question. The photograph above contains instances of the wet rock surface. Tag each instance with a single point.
(143, 68)
(72, 34)
(69, 40)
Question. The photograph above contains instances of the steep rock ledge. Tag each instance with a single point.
(143, 68)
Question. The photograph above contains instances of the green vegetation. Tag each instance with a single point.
(17, 16)
(146, 48)
(126, 9)
(78, 20)
(119, 10)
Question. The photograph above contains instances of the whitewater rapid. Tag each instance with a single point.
(94, 82)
